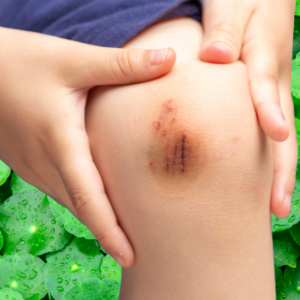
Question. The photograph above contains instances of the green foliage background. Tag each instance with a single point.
(46, 253)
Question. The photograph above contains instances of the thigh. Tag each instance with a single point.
(188, 171)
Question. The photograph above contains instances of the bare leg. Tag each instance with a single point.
(188, 171)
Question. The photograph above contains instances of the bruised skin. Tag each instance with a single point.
(173, 152)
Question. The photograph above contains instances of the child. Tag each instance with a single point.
(66, 71)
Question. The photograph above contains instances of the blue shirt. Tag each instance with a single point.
(108, 23)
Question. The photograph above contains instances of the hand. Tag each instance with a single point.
(43, 91)
(260, 33)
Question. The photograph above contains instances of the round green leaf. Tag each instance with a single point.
(28, 225)
(5, 191)
(111, 269)
(294, 216)
(110, 289)
(1, 240)
(22, 272)
(78, 261)
(296, 36)
(34, 297)
(71, 224)
(9, 294)
(297, 125)
(278, 263)
(278, 275)
(89, 289)
(289, 286)
(297, 8)
(4, 172)
(94, 289)
(295, 86)
(286, 252)
(18, 185)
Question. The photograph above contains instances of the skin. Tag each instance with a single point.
(188, 171)
(54, 89)
(43, 91)
(249, 31)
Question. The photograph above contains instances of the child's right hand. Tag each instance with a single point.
(43, 91)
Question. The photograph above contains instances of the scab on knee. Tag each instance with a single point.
(174, 148)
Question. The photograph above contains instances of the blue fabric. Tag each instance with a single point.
(108, 23)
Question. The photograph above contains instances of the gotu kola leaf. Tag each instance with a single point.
(9, 294)
(295, 86)
(110, 268)
(5, 191)
(18, 185)
(95, 289)
(4, 172)
(286, 252)
(23, 272)
(28, 225)
(78, 261)
(278, 275)
(71, 224)
(288, 287)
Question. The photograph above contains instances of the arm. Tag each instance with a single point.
(188, 171)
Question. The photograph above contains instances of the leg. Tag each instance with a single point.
(188, 171)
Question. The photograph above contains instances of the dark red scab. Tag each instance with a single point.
(167, 106)
(182, 159)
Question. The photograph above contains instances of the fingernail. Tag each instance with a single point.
(119, 259)
(157, 57)
(288, 201)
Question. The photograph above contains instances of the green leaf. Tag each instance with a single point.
(78, 261)
(286, 253)
(297, 125)
(111, 269)
(71, 224)
(278, 275)
(89, 289)
(7, 293)
(110, 289)
(295, 85)
(18, 185)
(22, 272)
(5, 191)
(100, 247)
(4, 172)
(28, 225)
(297, 8)
(278, 263)
(1, 240)
(296, 37)
(289, 286)
(34, 297)
(295, 233)
(294, 216)
(95, 289)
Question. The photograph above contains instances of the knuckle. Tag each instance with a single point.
(104, 234)
(122, 62)
(227, 33)
(80, 200)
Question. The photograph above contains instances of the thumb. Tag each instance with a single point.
(224, 30)
(95, 65)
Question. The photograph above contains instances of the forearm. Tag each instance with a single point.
(197, 209)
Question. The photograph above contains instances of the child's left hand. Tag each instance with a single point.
(260, 33)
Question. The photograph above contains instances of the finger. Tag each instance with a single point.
(86, 191)
(285, 160)
(262, 65)
(224, 29)
(93, 65)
